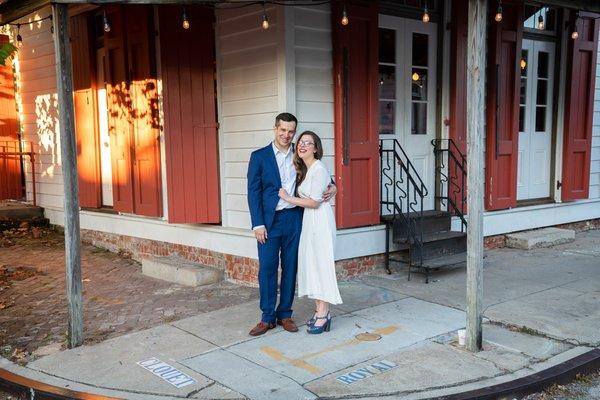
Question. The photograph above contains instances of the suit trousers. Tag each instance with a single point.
(282, 244)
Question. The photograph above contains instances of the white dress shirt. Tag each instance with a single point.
(287, 172)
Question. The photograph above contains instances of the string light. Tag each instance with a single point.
(344, 16)
(184, 20)
(265, 19)
(415, 76)
(19, 37)
(541, 24)
(523, 63)
(574, 33)
(425, 13)
(498, 16)
(105, 23)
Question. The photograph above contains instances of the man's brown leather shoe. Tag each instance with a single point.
(288, 324)
(261, 327)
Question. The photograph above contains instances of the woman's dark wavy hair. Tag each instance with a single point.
(301, 168)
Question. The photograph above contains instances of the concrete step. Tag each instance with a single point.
(545, 237)
(19, 211)
(177, 270)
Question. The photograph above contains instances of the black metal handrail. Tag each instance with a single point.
(451, 178)
(402, 193)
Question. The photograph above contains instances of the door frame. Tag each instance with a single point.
(403, 104)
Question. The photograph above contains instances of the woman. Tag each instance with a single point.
(316, 267)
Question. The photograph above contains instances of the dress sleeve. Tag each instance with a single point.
(318, 184)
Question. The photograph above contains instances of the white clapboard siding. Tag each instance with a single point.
(248, 96)
(314, 76)
(595, 159)
(314, 70)
(38, 109)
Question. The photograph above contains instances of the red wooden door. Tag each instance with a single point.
(143, 110)
(355, 55)
(458, 100)
(119, 104)
(11, 186)
(579, 108)
(86, 132)
(187, 72)
(503, 108)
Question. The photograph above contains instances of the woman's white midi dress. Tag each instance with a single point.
(316, 267)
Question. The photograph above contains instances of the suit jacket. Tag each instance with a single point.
(264, 183)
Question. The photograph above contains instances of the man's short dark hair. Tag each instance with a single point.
(285, 117)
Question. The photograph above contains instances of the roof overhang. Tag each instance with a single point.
(11, 10)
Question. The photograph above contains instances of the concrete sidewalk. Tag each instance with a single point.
(541, 309)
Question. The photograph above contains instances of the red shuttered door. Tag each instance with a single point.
(187, 72)
(356, 117)
(503, 108)
(143, 112)
(88, 157)
(11, 186)
(8, 108)
(118, 111)
(579, 108)
(458, 97)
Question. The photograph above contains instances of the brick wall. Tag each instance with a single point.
(242, 270)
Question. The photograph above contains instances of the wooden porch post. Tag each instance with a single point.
(69, 169)
(475, 176)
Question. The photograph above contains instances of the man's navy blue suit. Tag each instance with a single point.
(283, 231)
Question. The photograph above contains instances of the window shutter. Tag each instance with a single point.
(84, 100)
(117, 93)
(187, 73)
(143, 111)
(11, 186)
(503, 108)
(355, 59)
(579, 108)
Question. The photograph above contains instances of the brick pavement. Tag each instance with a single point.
(117, 297)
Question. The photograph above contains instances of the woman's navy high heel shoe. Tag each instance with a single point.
(312, 320)
(315, 330)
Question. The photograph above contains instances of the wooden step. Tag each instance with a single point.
(445, 261)
(433, 221)
(439, 244)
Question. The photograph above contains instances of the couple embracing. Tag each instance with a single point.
(288, 195)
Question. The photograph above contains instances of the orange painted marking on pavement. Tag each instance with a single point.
(301, 361)
(296, 362)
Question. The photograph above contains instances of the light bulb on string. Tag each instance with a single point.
(498, 16)
(105, 23)
(344, 16)
(19, 37)
(574, 33)
(541, 24)
(415, 76)
(425, 15)
(265, 20)
(185, 23)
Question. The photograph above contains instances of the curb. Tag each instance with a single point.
(30, 388)
(521, 387)
(518, 388)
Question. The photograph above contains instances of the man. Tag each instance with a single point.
(276, 224)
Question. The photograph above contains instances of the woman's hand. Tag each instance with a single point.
(283, 194)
